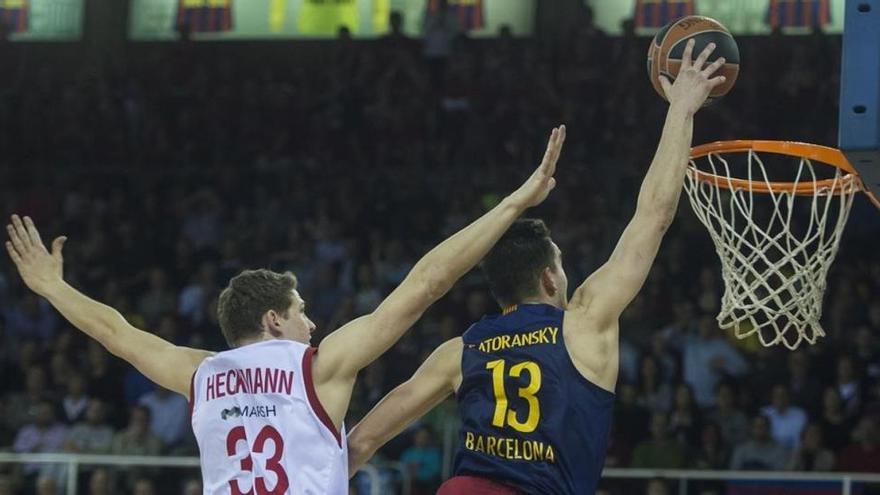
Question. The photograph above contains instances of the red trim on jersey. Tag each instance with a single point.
(468, 485)
(192, 393)
(313, 397)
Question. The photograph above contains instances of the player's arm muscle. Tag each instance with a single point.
(607, 292)
(357, 344)
(162, 362)
(42, 271)
(435, 380)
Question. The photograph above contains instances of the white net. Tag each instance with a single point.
(775, 247)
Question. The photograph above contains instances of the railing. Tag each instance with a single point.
(686, 475)
(73, 462)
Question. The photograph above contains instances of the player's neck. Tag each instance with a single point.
(543, 299)
(262, 337)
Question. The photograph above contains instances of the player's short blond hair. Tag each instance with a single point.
(248, 297)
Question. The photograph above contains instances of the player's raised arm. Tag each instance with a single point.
(610, 289)
(433, 382)
(164, 363)
(357, 344)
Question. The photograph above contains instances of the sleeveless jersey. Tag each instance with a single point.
(260, 427)
(529, 418)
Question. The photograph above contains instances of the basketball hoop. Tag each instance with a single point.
(776, 239)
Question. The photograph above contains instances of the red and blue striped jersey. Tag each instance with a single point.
(14, 15)
(204, 16)
(658, 13)
(798, 13)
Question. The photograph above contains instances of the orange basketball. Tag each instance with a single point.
(665, 52)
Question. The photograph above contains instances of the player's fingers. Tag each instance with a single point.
(665, 84)
(33, 233)
(714, 66)
(20, 231)
(557, 150)
(57, 246)
(16, 240)
(688, 53)
(16, 258)
(716, 81)
(548, 153)
(704, 55)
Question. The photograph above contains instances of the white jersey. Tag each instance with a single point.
(260, 427)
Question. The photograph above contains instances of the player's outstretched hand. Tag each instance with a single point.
(39, 268)
(694, 81)
(536, 188)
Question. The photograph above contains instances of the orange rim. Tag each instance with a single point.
(814, 152)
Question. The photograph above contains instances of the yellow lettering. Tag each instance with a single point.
(553, 332)
(510, 448)
(505, 341)
(518, 340)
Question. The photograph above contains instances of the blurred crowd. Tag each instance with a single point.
(344, 162)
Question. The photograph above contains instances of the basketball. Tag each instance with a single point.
(667, 48)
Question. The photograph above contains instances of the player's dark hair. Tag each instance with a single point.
(513, 267)
(249, 295)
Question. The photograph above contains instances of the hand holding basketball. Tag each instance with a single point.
(694, 81)
(39, 268)
(536, 188)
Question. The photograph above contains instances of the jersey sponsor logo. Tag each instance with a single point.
(510, 448)
(546, 335)
(249, 381)
(249, 412)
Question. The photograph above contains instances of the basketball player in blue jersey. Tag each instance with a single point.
(535, 385)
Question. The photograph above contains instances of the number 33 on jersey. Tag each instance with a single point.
(260, 427)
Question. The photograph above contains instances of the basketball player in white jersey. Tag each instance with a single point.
(268, 414)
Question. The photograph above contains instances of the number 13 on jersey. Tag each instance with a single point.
(504, 414)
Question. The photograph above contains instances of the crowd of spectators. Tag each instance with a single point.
(345, 161)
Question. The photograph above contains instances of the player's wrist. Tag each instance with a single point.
(515, 202)
(680, 109)
(51, 288)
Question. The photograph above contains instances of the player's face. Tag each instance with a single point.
(561, 281)
(297, 326)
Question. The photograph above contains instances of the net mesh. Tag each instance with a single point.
(775, 247)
